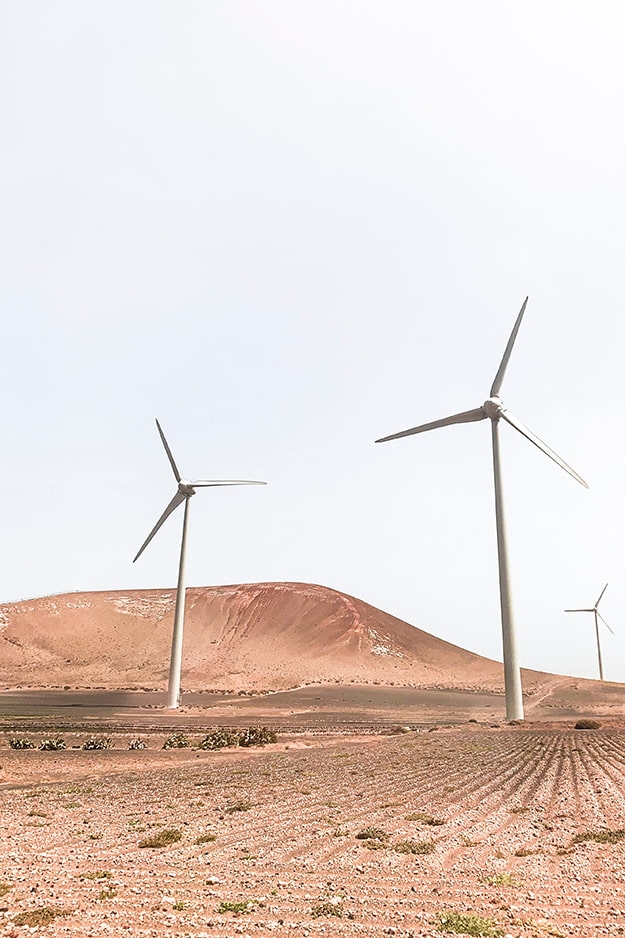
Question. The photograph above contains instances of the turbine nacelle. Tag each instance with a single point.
(186, 488)
(493, 408)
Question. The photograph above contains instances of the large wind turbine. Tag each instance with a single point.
(494, 410)
(597, 615)
(185, 491)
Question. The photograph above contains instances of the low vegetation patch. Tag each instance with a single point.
(177, 741)
(243, 907)
(424, 818)
(241, 805)
(4, 888)
(600, 837)
(330, 907)
(220, 738)
(137, 744)
(500, 879)
(587, 725)
(38, 917)
(205, 839)
(97, 742)
(420, 847)
(457, 923)
(257, 736)
(162, 838)
(106, 894)
(372, 833)
(21, 743)
(97, 874)
(54, 744)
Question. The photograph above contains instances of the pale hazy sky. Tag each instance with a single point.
(286, 229)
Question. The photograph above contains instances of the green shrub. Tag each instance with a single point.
(53, 744)
(238, 908)
(176, 741)
(162, 838)
(420, 847)
(257, 736)
(21, 743)
(372, 833)
(205, 839)
(600, 837)
(460, 924)
(97, 742)
(330, 907)
(219, 739)
(37, 917)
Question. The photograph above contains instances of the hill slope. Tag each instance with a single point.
(264, 636)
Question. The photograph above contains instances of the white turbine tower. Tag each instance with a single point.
(494, 410)
(185, 491)
(597, 615)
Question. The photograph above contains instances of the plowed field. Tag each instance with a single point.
(477, 822)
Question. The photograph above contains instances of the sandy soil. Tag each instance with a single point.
(285, 820)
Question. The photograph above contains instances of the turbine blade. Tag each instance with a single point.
(579, 610)
(176, 500)
(206, 483)
(169, 453)
(601, 594)
(467, 416)
(527, 433)
(605, 623)
(496, 388)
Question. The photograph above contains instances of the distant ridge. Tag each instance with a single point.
(254, 636)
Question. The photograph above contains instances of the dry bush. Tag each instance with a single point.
(162, 838)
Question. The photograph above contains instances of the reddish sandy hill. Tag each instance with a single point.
(263, 636)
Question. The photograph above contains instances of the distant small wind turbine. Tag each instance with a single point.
(597, 615)
(185, 491)
(495, 411)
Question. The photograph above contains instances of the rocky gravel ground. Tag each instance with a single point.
(516, 831)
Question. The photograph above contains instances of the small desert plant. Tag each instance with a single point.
(4, 888)
(179, 905)
(38, 917)
(52, 745)
(524, 852)
(500, 879)
(425, 819)
(241, 805)
(599, 837)
(21, 743)
(238, 908)
(420, 847)
(219, 739)
(372, 833)
(176, 741)
(458, 923)
(205, 839)
(137, 744)
(97, 874)
(162, 838)
(330, 907)
(97, 742)
(587, 725)
(257, 736)
(107, 894)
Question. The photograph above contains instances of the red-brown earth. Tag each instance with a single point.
(522, 827)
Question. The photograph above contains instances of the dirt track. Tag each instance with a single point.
(511, 801)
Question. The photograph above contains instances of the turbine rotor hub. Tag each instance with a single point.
(493, 408)
(185, 488)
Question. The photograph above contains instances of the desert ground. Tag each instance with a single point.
(395, 801)
(517, 828)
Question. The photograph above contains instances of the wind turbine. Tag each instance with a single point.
(494, 410)
(185, 491)
(597, 614)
